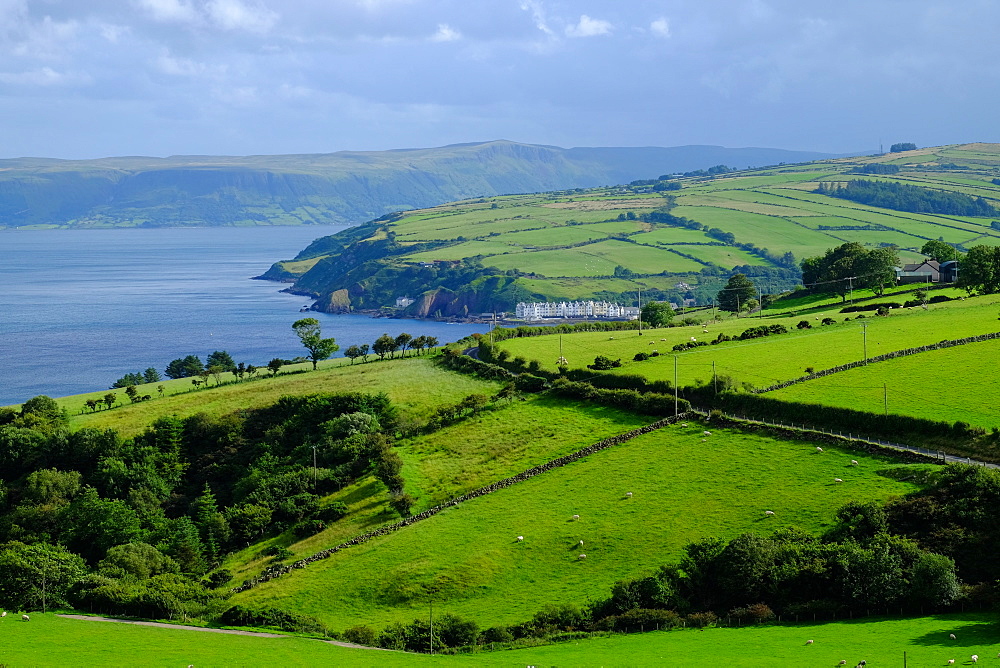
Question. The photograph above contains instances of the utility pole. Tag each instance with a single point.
(639, 300)
(314, 468)
(760, 304)
(885, 398)
(676, 391)
(864, 330)
(432, 625)
(715, 378)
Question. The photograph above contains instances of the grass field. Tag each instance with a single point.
(52, 641)
(890, 386)
(414, 384)
(773, 359)
(468, 561)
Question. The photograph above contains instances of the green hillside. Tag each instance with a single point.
(486, 254)
(348, 187)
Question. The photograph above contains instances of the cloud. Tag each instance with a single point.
(45, 76)
(588, 27)
(446, 33)
(537, 14)
(660, 27)
(236, 15)
(172, 11)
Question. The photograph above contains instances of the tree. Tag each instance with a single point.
(109, 400)
(221, 359)
(384, 345)
(657, 314)
(310, 334)
(403, 340)
(878, 268)
(37, 576)
(836, 270)
(353, 352)
(902, 146)
(274, 366)
(939, 250)
(979, 270)
(184, 367)
(431, 342)
(738, 291)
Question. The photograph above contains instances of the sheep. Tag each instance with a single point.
(837, 480)
(662, 339)
(611, 338)
(809, 642)
(768, 513)
(854, 462)
(628, 495)
(581, 542)
(520, 539)
(951, 661)
(952, 636)
(975, 658)
(693, 339)
(819, 450)
(684, 424)
(843, 662)
(3, 614)
(25, 618)
(582, 557)
(576, 517)
(707, 433)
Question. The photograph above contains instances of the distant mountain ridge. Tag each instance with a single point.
(347, 187)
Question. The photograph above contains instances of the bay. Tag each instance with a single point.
(81, 308)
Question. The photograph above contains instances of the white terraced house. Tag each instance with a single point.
(582, 309)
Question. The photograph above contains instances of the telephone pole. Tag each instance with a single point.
(676, 390)
(639, 301)
(864, 330)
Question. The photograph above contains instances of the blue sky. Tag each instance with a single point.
(92, 78)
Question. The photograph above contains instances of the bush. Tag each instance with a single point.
(700, 620)
(218, 578)
(937, 299)
(758, 613)
(307, 528)
(360, 635)
(602, 363)
(640, 357)
(828, 321)
(332, 512)
(803, 324)
(641, 619)
(529, 383)
(293, 622)
(496, 634)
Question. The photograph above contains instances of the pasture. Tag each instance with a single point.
(415, 384)
(54, 641)
(773, 359)
(468, 561)
(949, 393)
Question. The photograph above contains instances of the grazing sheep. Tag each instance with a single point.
(854, 462)
(707, 433)
(662, 339)
(975, 658)
(684, 424)
(843, 662)
(628, 495)
(809, 642)
(819, 449)
(952, 636)
(576, 517)
(693, 339)
(3, 614)
(951, 661)
(582, 557)
(611, 338)
(25, 618)
(837, 480)
(769, 513)
(520, 539)
(581, 542)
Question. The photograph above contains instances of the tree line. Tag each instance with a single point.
(905, 197)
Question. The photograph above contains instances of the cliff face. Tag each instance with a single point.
(335, 188)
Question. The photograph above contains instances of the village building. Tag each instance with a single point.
(581, 309)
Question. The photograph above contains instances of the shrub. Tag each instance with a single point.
(529, 383)
(640, 357)
(641, 619)
(810, 369)
(218, 578)
(307, 528)
(332, 512)
(239, 615)
(803, 324)
(828, 321)
(882, 310)
(937, 299)
(758, 613)
(360, 635)
(602, 363)
(496, 634)
(700, 620)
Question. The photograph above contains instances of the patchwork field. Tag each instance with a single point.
(52, 641)
(468, 562)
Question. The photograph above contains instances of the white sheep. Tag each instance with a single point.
(854, 462)
(951, 661)
(25, 618)
(837, 480)
(819, 450)
(628, 495)
(582, 557)
(520, 539)
(611, 338)
(3, 614)
(707, 433)
(662, 339)
(576, 517)
(684, 424)
(843, 662)
(693, 339)
(952, 636)
(769, 513)
(581, 542)
(809, 642)
(975, 658)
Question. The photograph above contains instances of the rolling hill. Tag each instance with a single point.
(488, 253)
(346, 187)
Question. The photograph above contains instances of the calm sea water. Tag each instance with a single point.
(80, 308)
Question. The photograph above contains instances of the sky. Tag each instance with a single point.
(95, 78)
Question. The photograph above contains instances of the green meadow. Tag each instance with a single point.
(54, 641)
(467, 560)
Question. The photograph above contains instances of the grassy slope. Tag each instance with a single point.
(51, 641)
(772, 359)
(950, 393)
(414, 384)
(468, 561)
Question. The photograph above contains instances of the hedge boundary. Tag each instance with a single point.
(905, 352)
(274, 572)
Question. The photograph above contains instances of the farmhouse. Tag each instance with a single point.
(582, 309)
(403, 302)
(928, 271)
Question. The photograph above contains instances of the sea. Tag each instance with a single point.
(81, 308)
